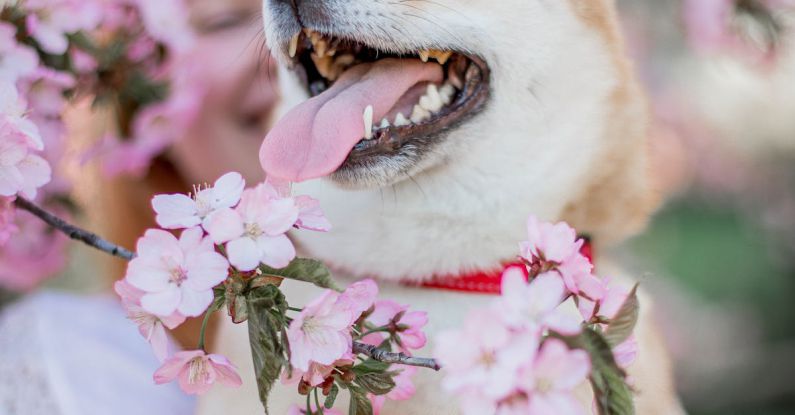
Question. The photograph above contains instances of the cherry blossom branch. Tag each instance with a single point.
(384, 356)
(72, 231)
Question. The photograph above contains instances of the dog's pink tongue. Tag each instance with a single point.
(314, 138)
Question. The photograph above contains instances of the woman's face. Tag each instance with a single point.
(233, 62)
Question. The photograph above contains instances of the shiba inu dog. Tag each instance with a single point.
(439, 126)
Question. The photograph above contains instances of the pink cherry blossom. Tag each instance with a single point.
(178, 211)
(176, 275)
(168, 23)
(52, 20)
(13, 118)
(151, 327)
(556, 247)
(196, 371)
(609, 305)
(407, 325)
(16, 61)
(549, 381)
(483, 358)
(310, 216)
(549, 242)
(404, 389)
(21, 171)
(254, 232)
(44, 91)
(534, 305)
(317, 373)
(321, 332)
(359, 296)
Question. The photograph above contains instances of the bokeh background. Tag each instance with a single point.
(720, 255)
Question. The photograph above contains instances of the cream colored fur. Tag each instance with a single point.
(563, 137)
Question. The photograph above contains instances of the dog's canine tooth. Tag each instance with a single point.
(293, 47)
(419, 114)
(400, 120)
(440, 56)
(368, 122)
(345, 60)
(385, 123)
(424, 55)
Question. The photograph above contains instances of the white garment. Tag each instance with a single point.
(64, 354)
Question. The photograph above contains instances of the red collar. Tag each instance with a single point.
(482, 282)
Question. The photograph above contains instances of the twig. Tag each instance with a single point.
(72, 231)
(384, 356)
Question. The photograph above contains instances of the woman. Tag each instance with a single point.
(78, 354)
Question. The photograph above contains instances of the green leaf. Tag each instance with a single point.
(266, 320)
(623, 324)
(611, 392)
(306, 270)
(332, 397)
(370, 366)
(360, 405)
(376, 383)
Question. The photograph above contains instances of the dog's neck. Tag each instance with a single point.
(570, 146)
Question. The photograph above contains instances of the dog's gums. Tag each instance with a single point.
(443, 89)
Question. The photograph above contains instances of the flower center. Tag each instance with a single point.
(488, 359)
(178, 276)
(198, 371)
(544, 385)
(253, 230)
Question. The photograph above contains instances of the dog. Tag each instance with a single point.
(533, 109)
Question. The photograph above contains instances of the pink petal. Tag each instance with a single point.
(224, 225)
(565, 368)
(310, 215)
(194, 303)
(159, 341)
(144, 275)
(227, 374)
(36, 173)
(555, 403)
(227, 190)
(175, 211)
(157, 243)
(162, 303)
(280, 216)
(207, 270)
(278, 251)
(173, 366)
(191, 240)
(415, 319)
(243, 253)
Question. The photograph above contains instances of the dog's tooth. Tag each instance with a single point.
(345, 60)
(321, 47)
(441, 56)
(400, 120)
(447, 93)
(368, 122)
(424, 55)
(455, 80)
(326, 67)
(426, 103)
(435, 96)
(293, 47)
(419, 114)
(385, 123)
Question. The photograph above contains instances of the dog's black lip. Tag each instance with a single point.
(470, 100)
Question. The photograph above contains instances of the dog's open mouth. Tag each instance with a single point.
(368, 103)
